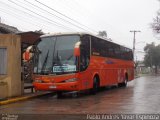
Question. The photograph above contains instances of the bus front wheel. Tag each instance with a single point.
(95, 86)
(59, 94)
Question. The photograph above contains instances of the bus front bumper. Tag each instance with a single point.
(69, 86)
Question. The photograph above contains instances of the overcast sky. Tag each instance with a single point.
(117, 17)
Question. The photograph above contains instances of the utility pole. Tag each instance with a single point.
(134, 40)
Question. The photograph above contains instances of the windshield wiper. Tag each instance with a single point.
(70, 57)
(43, 71)
(36, 52)
(59, 62)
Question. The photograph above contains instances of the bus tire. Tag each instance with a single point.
(75, 95)
(59, 94)
(123, 84)
(94, 90)
(125, 81)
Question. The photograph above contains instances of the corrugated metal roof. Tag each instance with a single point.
(29, 37)
(7, 29)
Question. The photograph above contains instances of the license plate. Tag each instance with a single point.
(52, 87)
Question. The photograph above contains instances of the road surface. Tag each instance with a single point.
(141, 96)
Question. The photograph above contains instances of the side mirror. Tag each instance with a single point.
(27, 55)
(77, 49)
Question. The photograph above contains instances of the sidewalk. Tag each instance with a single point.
(28, 94)
(23, 97)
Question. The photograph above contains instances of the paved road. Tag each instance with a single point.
(141, 96)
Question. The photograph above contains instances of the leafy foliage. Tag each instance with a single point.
(152, 56)
(102, 33)
(39, 31)
(156, 24)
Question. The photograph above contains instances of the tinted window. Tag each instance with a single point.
(105, 48)
(85, 52)
(99, 47)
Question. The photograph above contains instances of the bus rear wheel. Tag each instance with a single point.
(94, 90)
(123, 84)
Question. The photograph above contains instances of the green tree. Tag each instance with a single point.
(152, 56)
(156, 24)
(39, 31)
(102, 33)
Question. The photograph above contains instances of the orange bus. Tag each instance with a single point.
(80, 61)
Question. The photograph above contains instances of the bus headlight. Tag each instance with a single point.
(38, 81)
(71, 80)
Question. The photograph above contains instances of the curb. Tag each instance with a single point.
(13, 100)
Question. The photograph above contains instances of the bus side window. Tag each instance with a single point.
(122, 53)
(103, 48)
(117, 51)
(85, 52)
(95, 46)
(98, 47)
(110, 49)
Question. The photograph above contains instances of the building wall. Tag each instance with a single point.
(10, 83)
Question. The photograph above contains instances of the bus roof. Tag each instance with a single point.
(80, 33)
(66, 33)
(74, 33)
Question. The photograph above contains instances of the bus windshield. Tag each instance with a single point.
(56, 55)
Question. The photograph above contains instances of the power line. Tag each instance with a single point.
(13, 14)
(54, 15)
(55, 23)
(51, 21)
(3, 11)
(62, 14)
(18, 18)
(77, 10)
(31, 16)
